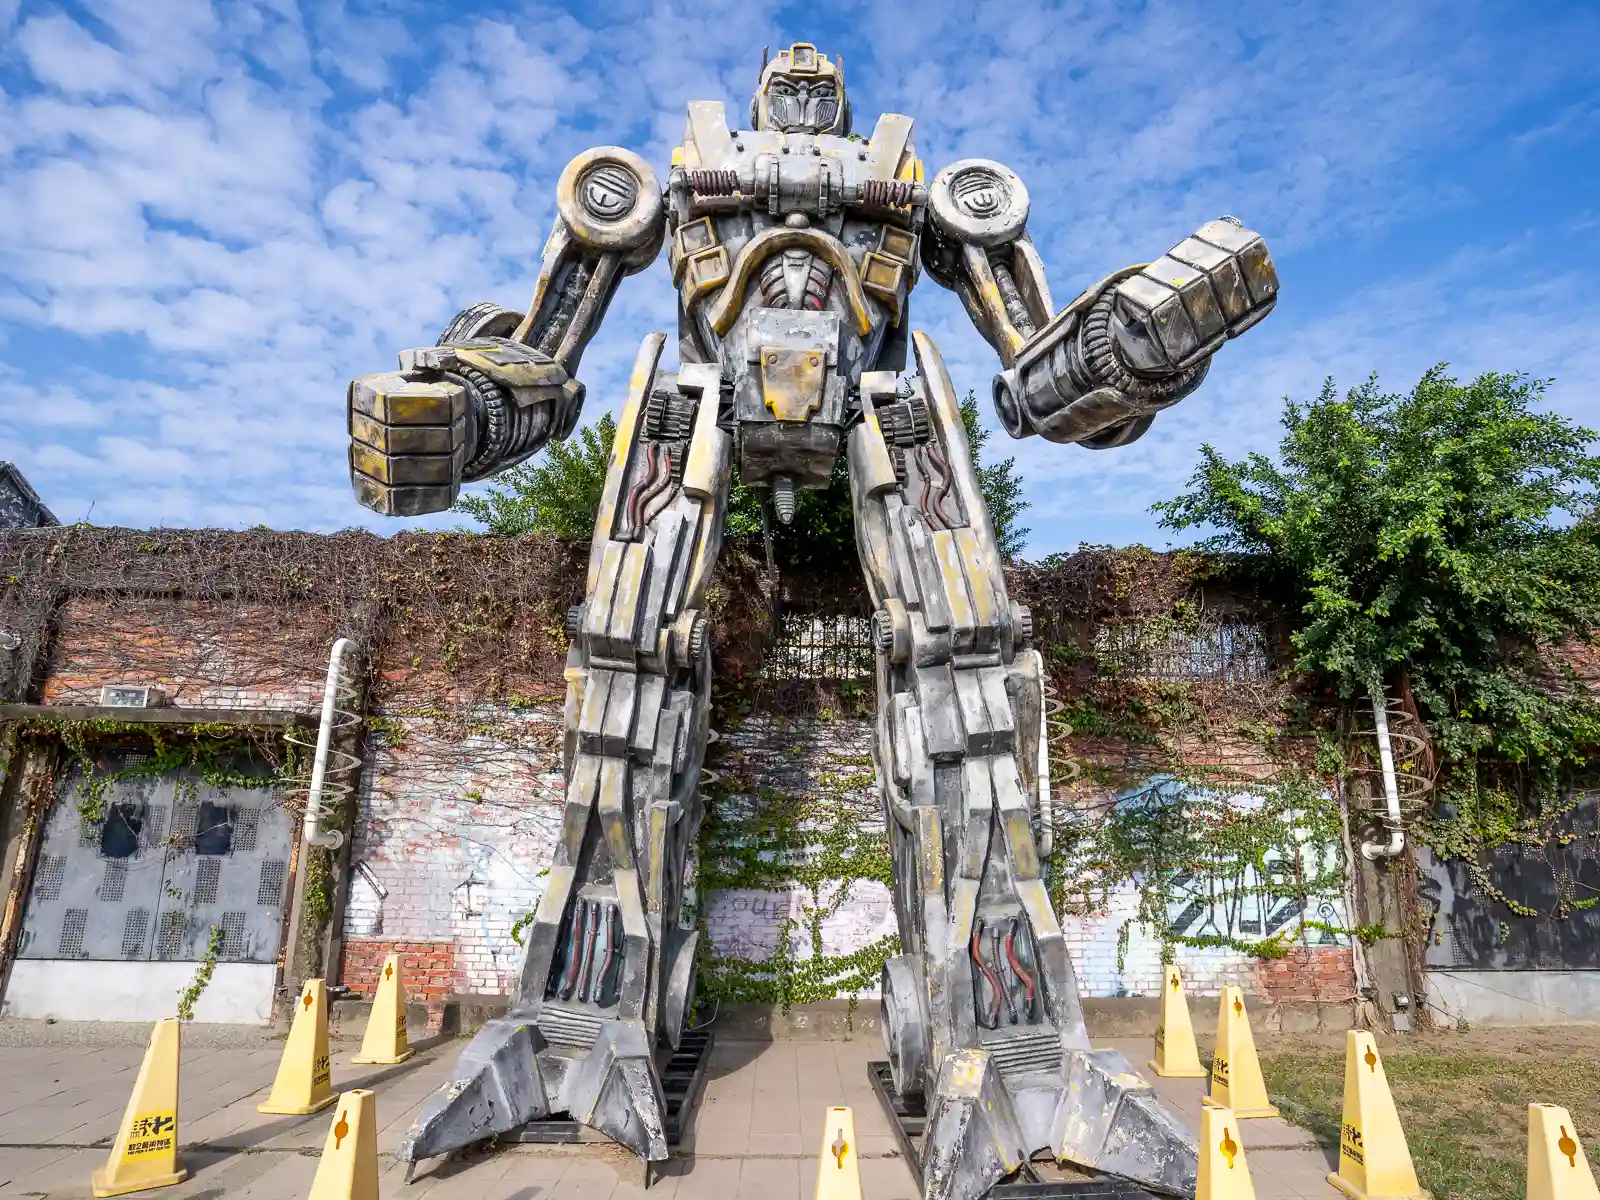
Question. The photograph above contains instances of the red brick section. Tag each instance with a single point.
(1325, 973)
(428, 968)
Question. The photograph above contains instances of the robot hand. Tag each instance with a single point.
(454, 412)
(1178, 310)
(1098, 373)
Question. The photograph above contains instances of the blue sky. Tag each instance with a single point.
(211, 216)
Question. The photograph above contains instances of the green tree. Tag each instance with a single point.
(1000, 484)
(559, 494)
(556, 494)
(1428, 538)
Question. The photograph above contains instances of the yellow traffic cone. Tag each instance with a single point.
(1236, 1081)
(1374, 1161)
(145, 1152)
(1224, 1173)
(385, 1040)
(839, 1166)
(348, 1168)
(304, 1081)
(1177, 1057)
(1558, 1169)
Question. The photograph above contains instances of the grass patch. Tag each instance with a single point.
(1463, 1098)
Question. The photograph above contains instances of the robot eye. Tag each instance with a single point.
(781, 87)
(822, 91)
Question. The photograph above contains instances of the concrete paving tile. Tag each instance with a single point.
(585, 1179)
(770, 1179)
(52, 1173)
(18, 1164)
(763, 1145)
(705, 1178)
(887, 1179)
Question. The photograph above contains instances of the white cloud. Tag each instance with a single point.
(212, 215)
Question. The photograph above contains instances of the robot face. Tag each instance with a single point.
(801, 92)
(802, 105)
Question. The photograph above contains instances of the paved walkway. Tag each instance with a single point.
(755, 1134)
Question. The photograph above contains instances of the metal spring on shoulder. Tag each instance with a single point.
(713, 182)
(887, 193)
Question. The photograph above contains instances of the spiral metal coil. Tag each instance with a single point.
(1064, 769)
(888, 193)
(705, 181)
(1408, 747)
(341, 764)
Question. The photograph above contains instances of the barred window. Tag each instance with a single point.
(1230, 651)
(826, 646)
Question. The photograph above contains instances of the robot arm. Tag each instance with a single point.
(1097, 372)
(500, 384)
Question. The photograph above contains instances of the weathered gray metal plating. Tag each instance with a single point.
(794, 250)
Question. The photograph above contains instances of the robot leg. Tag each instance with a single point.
(981, 1010)
(609, 973)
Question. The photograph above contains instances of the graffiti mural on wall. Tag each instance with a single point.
(1217, 906)
(1558, 881)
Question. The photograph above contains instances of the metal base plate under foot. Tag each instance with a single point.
(681, 1080)
(908, 1118)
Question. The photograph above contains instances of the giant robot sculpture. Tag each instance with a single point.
(794, 245)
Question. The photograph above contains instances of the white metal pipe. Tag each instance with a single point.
(315, 835)
(1047, 824)
(1391, 790)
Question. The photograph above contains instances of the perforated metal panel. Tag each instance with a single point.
(52, 874)
(207, 878)
(174, 857)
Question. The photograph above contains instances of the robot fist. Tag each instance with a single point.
(408, 443)
(1208, 288)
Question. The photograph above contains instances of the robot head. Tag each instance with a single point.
(801, 92)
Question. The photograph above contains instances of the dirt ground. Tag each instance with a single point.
(1462, 1096)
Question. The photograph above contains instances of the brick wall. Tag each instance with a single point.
(201, 655)
(1325, 973)
(454, 837)
(456, 828)
(427, 969)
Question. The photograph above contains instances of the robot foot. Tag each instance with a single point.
(494, 1089)
(1105, 1117)
(1110, 1120)
(972, 1138)
(507, 1077)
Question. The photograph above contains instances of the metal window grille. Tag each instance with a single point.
(169, 942)
(206, 878)
(51, 875)
(185, 819)
(821, 646)
(1230, 651)
(233, 935)
(246, 826)
(134, 928)
(74, 922)
(155, 825)
(269, 892)
(114, 882)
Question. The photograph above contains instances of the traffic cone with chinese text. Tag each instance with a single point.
(1374, 1161)
(1224, 1173)
(839, 1167)
(348, 1168)
(385, 1040)
(1177, 1056)
(1236, 1081)
(304, 1081)
(145, 1151)
(1558, 1169)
